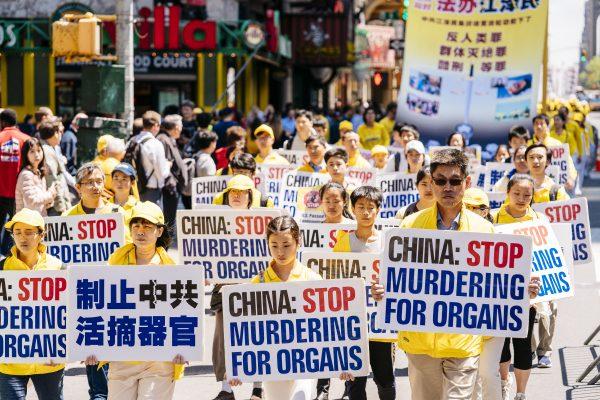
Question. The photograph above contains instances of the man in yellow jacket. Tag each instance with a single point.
(443, 365)
(315, 148)
(29, 254)
(265, 138)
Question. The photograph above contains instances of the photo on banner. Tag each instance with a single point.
(33, 317)
(84, 239)
(398, 190)
(322, 236)
(547, 259)
(141, 313)
(295, 330)
(299, 196)
(455, 282)
(229, 245)
(351, 265)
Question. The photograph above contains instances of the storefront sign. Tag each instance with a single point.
(164, 62)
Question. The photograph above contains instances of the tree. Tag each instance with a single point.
(590, 77)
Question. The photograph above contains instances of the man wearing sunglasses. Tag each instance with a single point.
(443, 365)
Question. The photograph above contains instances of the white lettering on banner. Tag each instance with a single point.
(494, 171)
(398, 190)
(230, 245)
(273, 175)
(296, 158)
(455, 282)
(496, 199)
(299, 196)
(547, 259)
(575, 212)
(363, 176)
(560, 157)
(322, 236)
(206, 188)
(295, 330)
(136, 313)
(33, 316)
(84, 239)
(351, 265)
(563, 235)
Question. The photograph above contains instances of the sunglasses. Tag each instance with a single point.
(444, 181)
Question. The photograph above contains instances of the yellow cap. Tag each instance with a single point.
(346, 125)
(240, 182)
(149, 211)
(476, 197)
(379, 149)
(103, 142)
(26, 216)
(264, 128)
(578, 117)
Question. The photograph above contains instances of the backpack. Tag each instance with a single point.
(133, 156)
(188, 173)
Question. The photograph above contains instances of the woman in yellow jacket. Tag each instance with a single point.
(520, 192)
(29, 254)
(143, 380)
(538, 157)
(123, 184)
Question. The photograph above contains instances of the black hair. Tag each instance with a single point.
(8, 117)
(167, 125)
(227, 111)
(205, 139)
(243, 161)
(449, 157)
(344, 193)
(204, 119)
(562, 117)
(28, 145)
(367, 192)
(543, 117)
(391, 106)
(234, 134)
(541, 145)
(303, 113)
(336, 152)
(319, 123)
(283, 224)
(517, 178)
(464, 139)
(48, 129)
(423, 172)
(518, 131)
(318, 138)
(165, 239)
(370, 108)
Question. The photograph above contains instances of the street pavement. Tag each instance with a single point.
(577, 318)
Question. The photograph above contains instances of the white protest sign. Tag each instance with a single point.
(384, 223)
(33, 316)
(472, 153)
(230, 245)
(496, 199)
(494, 171)
(553, 172)
(362, 176)
(575, 212)
(296, 158)
(560, 157)
(273, 175)
(563, 234)
(136, 313)
(84, 239)
(351, 265)
(322, 236)
(455, 282)
(295, 330)
(299, 196)
(478, 177)
(205, 188)
(398, 190)
(547, 259)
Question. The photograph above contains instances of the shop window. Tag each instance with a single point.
(41, 81)
(210, 80)
(14, 74)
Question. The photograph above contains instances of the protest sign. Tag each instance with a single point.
(383, 223)
(455, 282)
(473, 153)
(351, 265)
(575, 212)
(547, 259)
(477, 175)
(398, 190)
(273, 174)
(296, 158)
(553, 172)
(33, 316)
(563, 235)
(84, 239)
(299, 196)
(295, 330)
(494, 171)
(205, 188)
(496, 199)
(560, 158)
(322, 236)
(362, 176)
(230, 245)
(136, 313)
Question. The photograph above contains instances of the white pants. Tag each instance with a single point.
(300, 389)
(488, 381)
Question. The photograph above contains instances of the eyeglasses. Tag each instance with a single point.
(98, 182)
(26, 234)
(444, 181)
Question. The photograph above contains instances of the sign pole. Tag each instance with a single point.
(545, 70)
(125, 54)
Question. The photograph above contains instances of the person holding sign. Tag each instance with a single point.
(315, 148)
(265, 138)
(336, 161)
(426, 199)
(334, 198)
(29, 254)
(366, 201)
(239, 188)
(134, 380)
(380, 155)
(443, 365)
(371, 132)
(538, 158)
(415, 156)
(124, 186)
(477, 201)
(351, 143)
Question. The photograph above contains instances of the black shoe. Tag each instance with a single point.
(256, 394)
(224, 395)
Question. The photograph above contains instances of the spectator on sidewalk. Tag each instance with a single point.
(189, 124)
(206, 143)
(68, 143)
(222, 127)
(304, 129)
(41, 115)
(50, 132)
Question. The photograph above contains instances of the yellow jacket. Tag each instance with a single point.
(128, 206)
(109, 208)
(125, 255)
(549, 142)
(501, 216)
(308, 168)
(572, 138)
(272, 158)
(358, 161)
(107, 164)
(370, 136)
(443, 345)
(542, 195)
(256, 196)
(45, 262)
(299, 273)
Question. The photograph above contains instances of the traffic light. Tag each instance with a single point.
(405, 10)
(377, 78)
(79, 36)
(584, 56)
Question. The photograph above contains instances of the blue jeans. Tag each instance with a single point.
(97, 381)
(47, 386)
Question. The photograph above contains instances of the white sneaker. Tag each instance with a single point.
(520, 396)
(506, 386)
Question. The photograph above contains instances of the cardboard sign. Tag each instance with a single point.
(273, 174)
(33, 316)
(560, 158)
(351, 265)
(494, 171)
(496, 199)
(322, 236)
(296, 158)
(574, 212)
(84, 239)
(547, 259)
(205, 188)
(455, 282)
(230, 245)
(362, 176)
(399, 190)
(136, 313)
(295, 330)
(299, 196)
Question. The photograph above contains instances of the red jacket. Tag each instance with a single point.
(11, 143)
